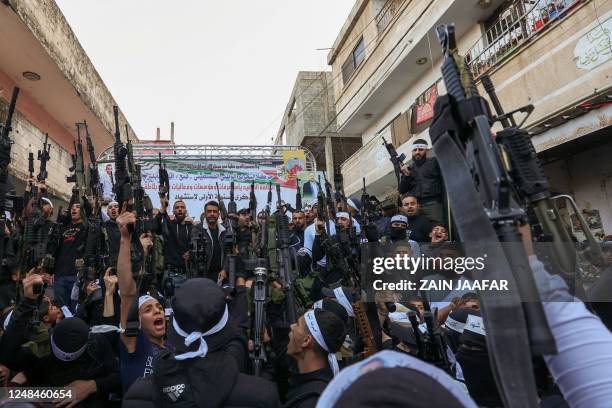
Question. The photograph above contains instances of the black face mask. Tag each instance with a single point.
(397, 234)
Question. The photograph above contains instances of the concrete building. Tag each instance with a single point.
(310, 121)
(40, 54)
(556, 55)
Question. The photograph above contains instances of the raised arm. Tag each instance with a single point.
(127, 285)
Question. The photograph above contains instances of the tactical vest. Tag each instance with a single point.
(38, 343)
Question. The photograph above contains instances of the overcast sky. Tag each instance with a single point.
(222, 71)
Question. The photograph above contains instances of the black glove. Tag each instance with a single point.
(371, 232)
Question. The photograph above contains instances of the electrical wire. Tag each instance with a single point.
(339, 74)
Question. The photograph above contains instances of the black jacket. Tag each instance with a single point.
(425, 181)
(305, 389)
(420, 228)
(212, 381)
(113, 237)
(177, 240)
(203, 230)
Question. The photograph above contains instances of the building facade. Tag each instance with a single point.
(554, 54)
(310, 121)
(59, 87)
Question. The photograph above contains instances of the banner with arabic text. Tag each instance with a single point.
(195, 182)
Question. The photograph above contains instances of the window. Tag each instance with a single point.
(400, 129)
(359, 53)
(353, 61)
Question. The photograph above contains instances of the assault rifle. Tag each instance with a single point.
(27, 255)
(164, 179)
(286, 261)
(365, 329)
(395, 159)
(263, 230)
(259, 298)
(481, 190)
(329, 201)
(199, 258)
(43, 157)
(53, 241)
(339, 187)
(253, 203)
(78, 169)
(298, 200)
(334, 257)
(88, 268)
(365, 206)
(94, 188)
(123, 187)
(5, 159)
(230, 239)
(222, 208)
(32, 192)
(534, 190)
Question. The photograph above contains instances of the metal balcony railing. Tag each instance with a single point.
(517, 25)
(386, 14)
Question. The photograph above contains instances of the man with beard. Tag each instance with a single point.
(418, 226)
(298, 220)
(112, 232)
(70, 249)
(423, 180)
(137, 353)
(176, 233)
(214, 234)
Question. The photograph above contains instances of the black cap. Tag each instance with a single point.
(71, 334)
(397, 387)
(336, 308)
(198, 305)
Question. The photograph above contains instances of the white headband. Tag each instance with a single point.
(113, 202)
(317, 305)
(67, 313)
(7, 320)
(313, 327)
(420, 146)
(62, 355)
(454, 324)
(47, 201)
(342, 214)
(400, 317)
(475, 324)
(351, 203)
(346, 304)
(144, 298)
(196, 335)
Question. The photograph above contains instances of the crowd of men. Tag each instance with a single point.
(174, 318)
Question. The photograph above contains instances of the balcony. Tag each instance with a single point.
(385, 15)
(517, 25)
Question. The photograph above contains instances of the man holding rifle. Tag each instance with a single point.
(423, 181)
